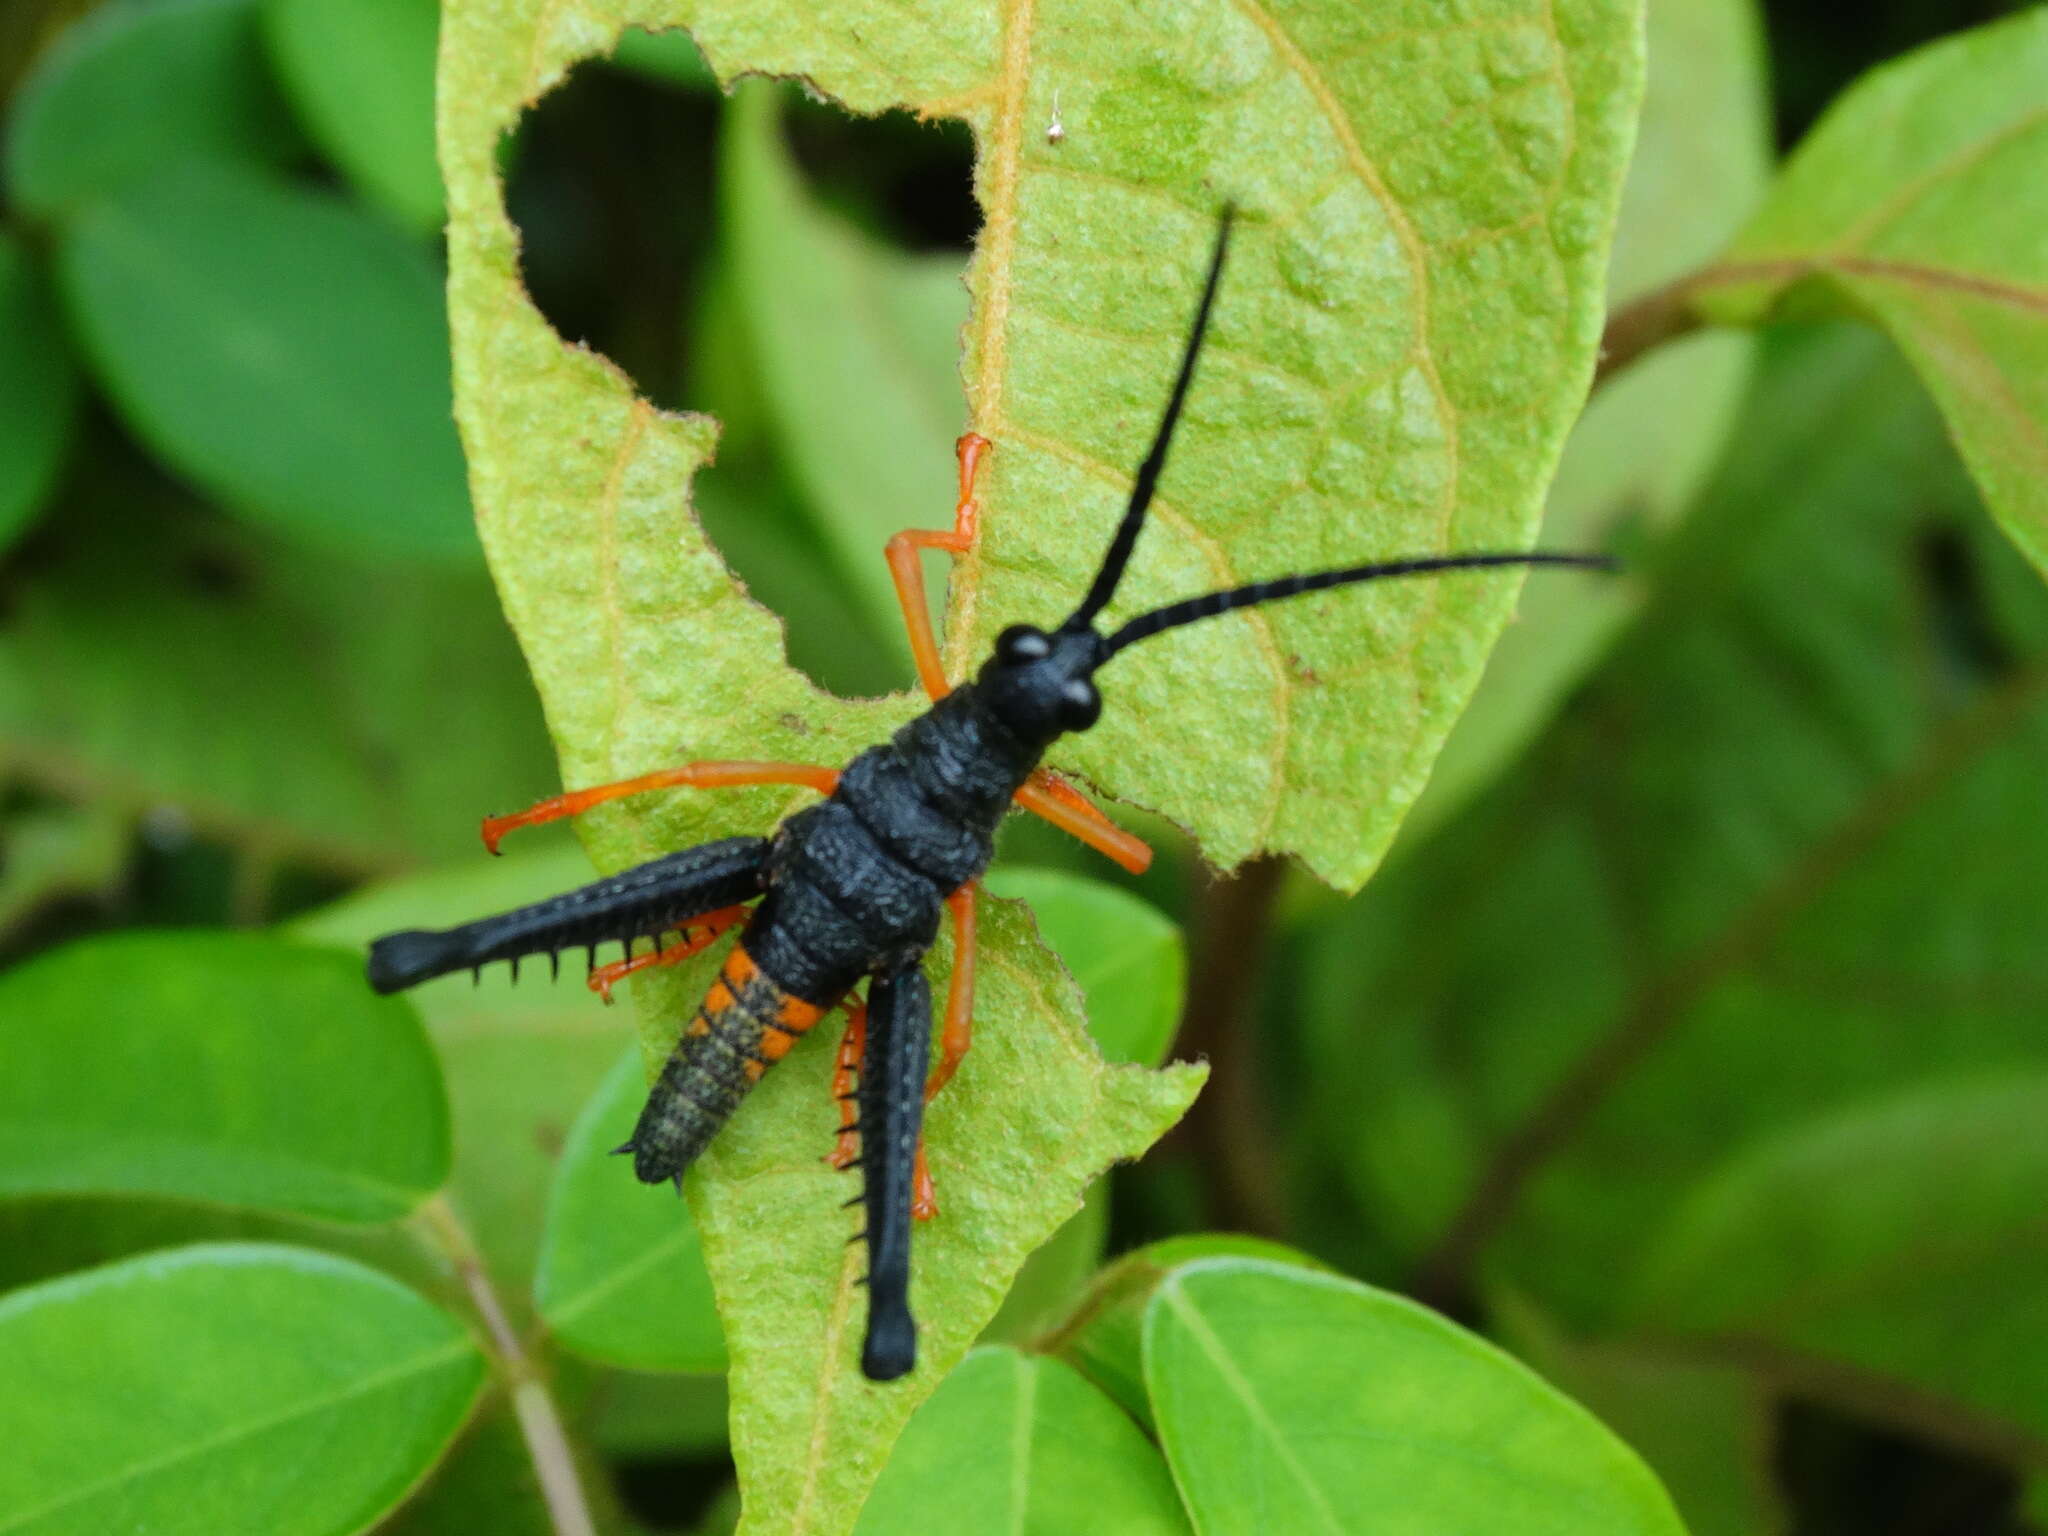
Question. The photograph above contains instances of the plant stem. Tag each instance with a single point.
(1645, 323)
(1229, 1127)
(554, 1465)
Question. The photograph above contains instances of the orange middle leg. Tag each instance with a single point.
(924, 1203)
(845, 1074)
(708, 775)
(697, 936)
(1046, 794)
(957, 1034)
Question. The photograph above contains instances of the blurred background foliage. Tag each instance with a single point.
(1689, 1044)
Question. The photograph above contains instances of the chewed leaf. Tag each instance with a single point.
(1407, 329)
(1403, 339)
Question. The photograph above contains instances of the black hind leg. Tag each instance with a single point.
(643, 902)
(898, 1045)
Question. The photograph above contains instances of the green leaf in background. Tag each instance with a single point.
(283, 349)
(621, 1276)
(484, 1486)
(519, 1060)
(858, 352)
(1824, 1244)
(223, 1388)
(1650, 436)
(38, 390)
(635, 1416)
(46, 855)
(1103, 1337)
(287, 717)
(668, 56)
(220, 1067)
(1022, 1443)
(1702, 919)
(1917, 200)
(135, 87)
(1124, 952)
(361, 74)
(1294, 1401)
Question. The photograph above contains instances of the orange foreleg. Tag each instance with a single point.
(709, 775)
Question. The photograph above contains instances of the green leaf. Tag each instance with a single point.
(38, 390)
(1408, 330)
(1019, 1443)
(281, 348)
(1703, 916)
(621, 1276)
(1824, 1243)
(1103, 1336)
(518, 1060)
(219, 1067)
(133, 88)
(228, 1387)
(361, 74)
(1295, 1401)
(1649, 437)
(291, 719)
(1917, 201)
(858, 352)
(1124, 952)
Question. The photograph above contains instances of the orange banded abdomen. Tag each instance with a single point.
(745, 1025)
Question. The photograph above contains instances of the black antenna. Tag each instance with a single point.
(1211, 604)
(1148, 472)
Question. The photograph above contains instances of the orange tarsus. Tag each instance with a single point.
(697, 936)
(705, 775)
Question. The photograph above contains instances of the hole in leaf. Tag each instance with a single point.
(792, 270)
(611, 189)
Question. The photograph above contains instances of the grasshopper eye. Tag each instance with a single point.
(1021, 643)
(1080, 705)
